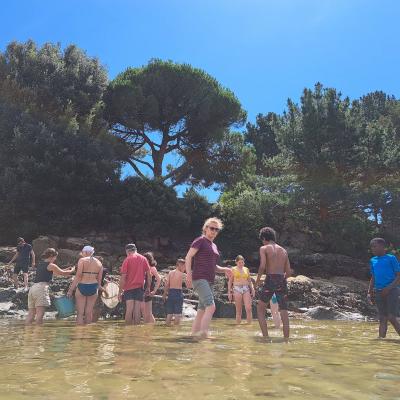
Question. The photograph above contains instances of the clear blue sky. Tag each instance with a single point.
(265, 51)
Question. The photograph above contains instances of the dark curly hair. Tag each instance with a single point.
(267, 234)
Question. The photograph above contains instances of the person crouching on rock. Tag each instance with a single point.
(147, 305)
(38, 296)
(274, 262)
(86, 282)
(242, 287)
(383, 286)
(173, 296)
(204, 255)
(134, 269)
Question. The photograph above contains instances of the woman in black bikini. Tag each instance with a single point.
(87, 282)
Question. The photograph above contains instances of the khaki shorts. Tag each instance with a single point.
(38, 295)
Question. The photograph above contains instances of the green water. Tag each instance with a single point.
(324, 360)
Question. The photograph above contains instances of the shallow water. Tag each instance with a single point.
(323, 360)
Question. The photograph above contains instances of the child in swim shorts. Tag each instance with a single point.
(173, 293)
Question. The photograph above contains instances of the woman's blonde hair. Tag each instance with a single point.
(239, 257)
(214, 220)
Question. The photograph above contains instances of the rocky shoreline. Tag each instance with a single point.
(335, 286)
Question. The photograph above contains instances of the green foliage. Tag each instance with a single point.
(165, 107)
(226, 162)
(148, 207)
(197, 209)
(262, 137)
(57, 164)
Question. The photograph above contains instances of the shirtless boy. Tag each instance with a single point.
(274, 262)
(173, 290)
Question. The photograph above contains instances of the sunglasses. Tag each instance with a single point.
(213, 228)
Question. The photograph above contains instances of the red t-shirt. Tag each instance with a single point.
(135, 267)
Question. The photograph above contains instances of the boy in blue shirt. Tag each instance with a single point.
(385, 271)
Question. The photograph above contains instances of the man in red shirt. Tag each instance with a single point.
(134, 270)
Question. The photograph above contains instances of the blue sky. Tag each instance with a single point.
(265, 51)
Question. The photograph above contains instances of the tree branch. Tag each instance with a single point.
(175, 172)
(143, 162)
(137, 170)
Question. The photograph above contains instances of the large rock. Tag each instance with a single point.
(327, 265)
(7, 253)
(321, 312)
(67, 257)
(75, 243)
(43, 242)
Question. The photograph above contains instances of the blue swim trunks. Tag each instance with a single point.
(174, 303)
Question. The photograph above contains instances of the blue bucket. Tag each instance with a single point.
(65, 306)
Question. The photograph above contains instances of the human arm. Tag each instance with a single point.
(77, 278)
(148, 280)
(262, 267)
(121, 286)
(288, 270)
(223, 270)
(251, 286)
(396, 282)
(158, 282)
(166, 288)
(370, 289)
(230, 284)
(33, 258)
(188, 265)
(60, 272)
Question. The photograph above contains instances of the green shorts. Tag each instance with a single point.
(203, 289)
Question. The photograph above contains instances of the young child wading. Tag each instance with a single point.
(274, 262)
(383, 286)
(242, 287)
(173, 290)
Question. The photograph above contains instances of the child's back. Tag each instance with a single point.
(175, 279)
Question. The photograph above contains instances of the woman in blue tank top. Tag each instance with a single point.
(38, 296)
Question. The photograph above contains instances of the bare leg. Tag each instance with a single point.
(197, 321)
(25, 280)
(383, 325)
(96, 312)
(177, 319)
(129, 312)
(149, 317)
(247, 306)
(80, 303)
(15, 280)
(169, 319)
(261, 308)
(275, 314)
(39, 315)
(396, 325)
(31, 316)
(285, 323)
(205, 321)
(238, 305)
(90, 302)
(136, 312)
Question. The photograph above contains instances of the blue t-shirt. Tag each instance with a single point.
(24, 252)
(384, 270)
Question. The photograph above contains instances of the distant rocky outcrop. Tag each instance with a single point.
(327, 286)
